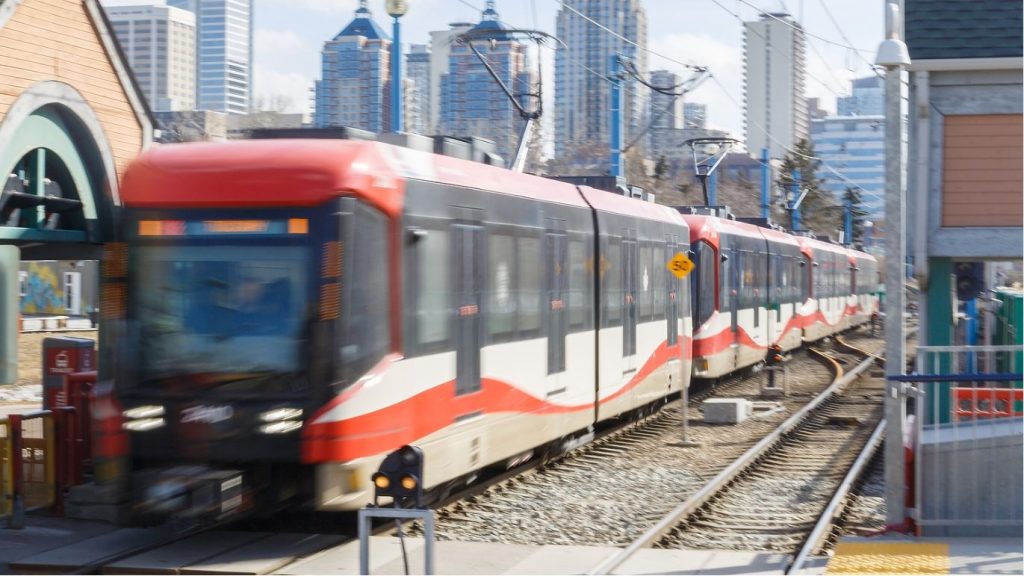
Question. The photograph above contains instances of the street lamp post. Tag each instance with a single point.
(396, 9)
(893, 55)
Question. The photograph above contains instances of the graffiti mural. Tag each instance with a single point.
(43, 292)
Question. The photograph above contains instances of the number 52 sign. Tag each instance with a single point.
(680, 265)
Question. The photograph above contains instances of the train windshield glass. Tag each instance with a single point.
(224, 317)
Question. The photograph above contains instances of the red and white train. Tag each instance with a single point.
(294, 310)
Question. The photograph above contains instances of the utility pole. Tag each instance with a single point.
(713, 189)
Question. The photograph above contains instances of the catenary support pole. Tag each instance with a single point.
(396, 78)
(794, 209)
(713, 189)
(766, 173)
(616, 116)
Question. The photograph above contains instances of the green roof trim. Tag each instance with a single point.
(943, 29)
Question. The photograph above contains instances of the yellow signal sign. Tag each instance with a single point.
(680, 265)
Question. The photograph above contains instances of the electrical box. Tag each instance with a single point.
(727, 410)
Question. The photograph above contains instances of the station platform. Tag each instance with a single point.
(56, 546)
(907, 555)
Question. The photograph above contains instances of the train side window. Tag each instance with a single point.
(367, 320)
(433, 308)
(645, 285)
(611, 282)
(501, 301)
(577, 284)
(727, 259)
(529, 272)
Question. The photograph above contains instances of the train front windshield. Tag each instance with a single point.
(221, 316)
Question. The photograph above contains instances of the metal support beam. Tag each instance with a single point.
(10, 258)
(615, 71)
(848, 221)
(713, 189)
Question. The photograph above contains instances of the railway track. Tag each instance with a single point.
(785, 493)
(611, 490)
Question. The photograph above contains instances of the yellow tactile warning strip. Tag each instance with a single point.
(890, 558)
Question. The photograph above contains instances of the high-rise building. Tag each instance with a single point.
(159, 42)
(774, 65)
(583, 98)
(855, 147)
(472, 103)
(695, 115)
(867, 99)
(440, 48)
(354, 86)
(666, 110)
(223, 53)
(417, 94)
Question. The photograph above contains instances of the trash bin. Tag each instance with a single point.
(64, 355)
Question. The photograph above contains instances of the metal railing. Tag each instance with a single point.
(968, 403)
(44, 453)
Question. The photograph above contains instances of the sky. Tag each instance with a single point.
(289, 35)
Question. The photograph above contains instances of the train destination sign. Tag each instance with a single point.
(680, 265)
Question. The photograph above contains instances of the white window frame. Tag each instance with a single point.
(73, 292)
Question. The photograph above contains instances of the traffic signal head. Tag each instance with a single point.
(400, 477)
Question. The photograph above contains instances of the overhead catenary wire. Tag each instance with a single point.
(800, 28)
(762, 129)
(824, 84)
(624, 39)
(871, 65)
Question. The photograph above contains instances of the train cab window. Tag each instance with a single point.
(432, 310)
(704, 283)
(530, 276)
(367, 314)
(501, 302)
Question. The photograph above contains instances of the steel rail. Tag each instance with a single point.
(703, 495)
(837, 504)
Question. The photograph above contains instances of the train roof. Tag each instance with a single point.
(710, 227)
(284, 172)
(615, 204)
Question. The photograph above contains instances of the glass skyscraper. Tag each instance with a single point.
(354, 85)
(223, 53)
(855, 147)
(582, 96)
(472, 103)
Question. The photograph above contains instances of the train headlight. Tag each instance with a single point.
(279, 414)
(409, 482)
(281, 427)
(143, 424)
(381, 481)
(144, 412)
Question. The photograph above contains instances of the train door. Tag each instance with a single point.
(629, 290)
(467, 245)
(557, 273)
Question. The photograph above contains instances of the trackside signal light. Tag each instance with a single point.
(399, 478)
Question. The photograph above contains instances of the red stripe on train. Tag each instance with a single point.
(435, 409)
